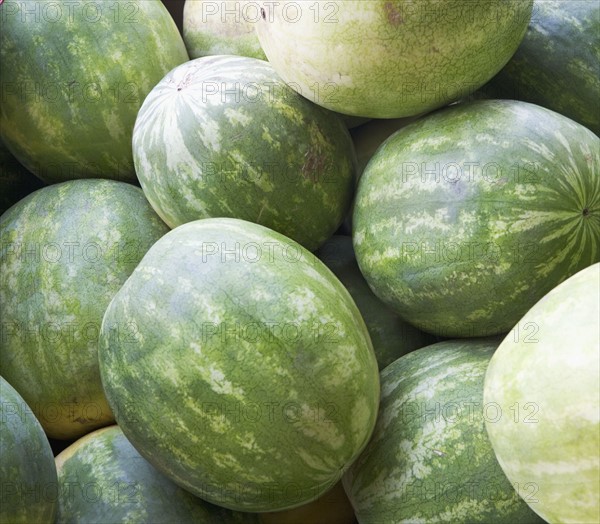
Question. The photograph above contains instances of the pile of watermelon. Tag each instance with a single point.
(325, 262)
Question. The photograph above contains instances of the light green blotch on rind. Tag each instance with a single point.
(26, 463)
(181, 390)
(558, 63)
(429, 459)
(390, 335)
(102, 478)
(468, 254)
(84, 238)
(53, 117)
(275, 158)
(553, 376)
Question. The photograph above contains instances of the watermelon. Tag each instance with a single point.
(250, 380)
(466, 218)
(544, 379)
(391, 336)
(430, 459)
(558, 63)
(223, 136)
(390, 59)
(15, 181)
(27, 468)
(221, 28)
(102, 478)
(331, 508)
(66, 249)
(74, 76)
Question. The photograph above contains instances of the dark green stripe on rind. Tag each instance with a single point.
(74, 76)
(467, 217)
(102, 478)
(430, 459)
(390, 335)
(225, 137)
(245, 416)
(65, 251)
(27, 470)
(558, 63)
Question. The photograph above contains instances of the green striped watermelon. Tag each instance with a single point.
(430, 459)
(27, 471)
(388, 59)
(250, 379)
(15, 181)
(466, 218)
(391, 336)
(103, 479)
(74, 75)
(558, 63)
(65, 251)
(221, 28)
(224, 136)
(544, 378)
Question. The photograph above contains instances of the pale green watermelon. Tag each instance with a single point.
(389, 59)
(544, 381)
(250, 379)
(467, 217)
(27, 470)
(430, 459)
(223, 136)
(221, 28)
(65, 251)
(74, 75)
(103, 479)
(390, 335)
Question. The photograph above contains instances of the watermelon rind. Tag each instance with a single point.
(465, 218)
(544, 377)
(74, 75)
(27, 470)
(224, 136)
(430, 459)
(65, 250)
(263, 399)
(103, 479)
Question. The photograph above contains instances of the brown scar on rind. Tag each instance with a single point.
(393, 14)
(313, 164)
